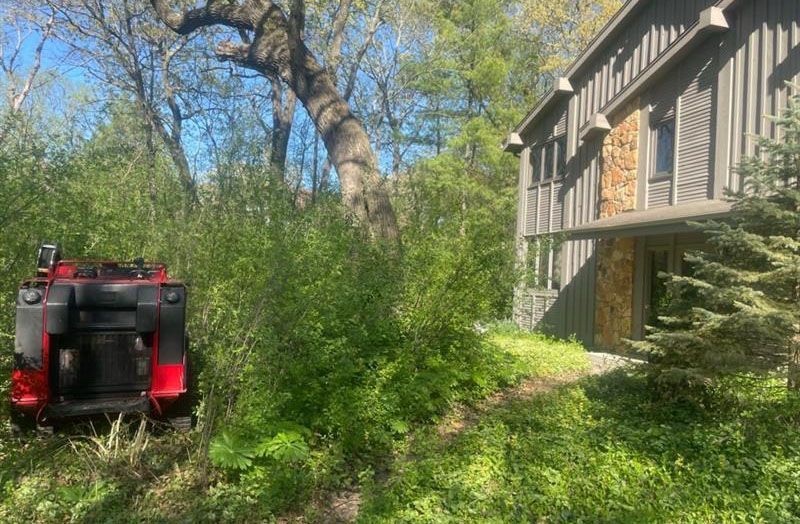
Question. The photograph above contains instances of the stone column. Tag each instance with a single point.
(615, 256)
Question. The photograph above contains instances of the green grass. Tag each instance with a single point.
(77, 477)
(601, 451)
(535, 355)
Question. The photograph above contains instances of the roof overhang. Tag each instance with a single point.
(661, 220)
(513, 144)
(561, 88)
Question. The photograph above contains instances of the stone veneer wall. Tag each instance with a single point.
(619, 165)
(613, 317)
(615, 256)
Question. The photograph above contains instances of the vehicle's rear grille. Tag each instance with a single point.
(87, 363)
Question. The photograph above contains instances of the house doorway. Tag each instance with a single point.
(656, 299)
(657, 255)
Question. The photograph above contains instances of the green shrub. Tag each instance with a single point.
(313, 343)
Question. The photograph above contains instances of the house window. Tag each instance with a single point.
(561, 156)
(536, 164)
(543, 268)
(555, 270)
(549, 160)
(664, 134)
(545, 264)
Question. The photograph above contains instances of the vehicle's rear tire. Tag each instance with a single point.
(20, 424)
(181, 424)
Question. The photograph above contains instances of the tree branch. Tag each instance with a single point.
(238, 54)
(337, 36)
(372, 28)
(20, 97)
(213, 13)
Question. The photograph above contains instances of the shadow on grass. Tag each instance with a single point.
(602, 450)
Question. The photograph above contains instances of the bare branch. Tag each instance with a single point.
(37, 64)
(372, 28)
(334, 55)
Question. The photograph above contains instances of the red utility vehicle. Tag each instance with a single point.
(98, 337)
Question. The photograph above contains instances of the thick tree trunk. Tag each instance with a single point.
(277, 48)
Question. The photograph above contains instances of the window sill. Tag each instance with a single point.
(548, 181)
(660, 177)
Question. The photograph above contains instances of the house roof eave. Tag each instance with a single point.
(651, 221)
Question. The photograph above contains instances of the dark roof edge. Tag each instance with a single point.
(609, 28)
(645, 220)
(595, 45)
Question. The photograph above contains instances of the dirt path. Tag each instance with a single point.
(462, 418)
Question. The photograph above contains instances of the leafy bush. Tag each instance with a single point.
(317, 348)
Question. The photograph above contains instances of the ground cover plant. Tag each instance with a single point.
(596, 449)
(605, 449)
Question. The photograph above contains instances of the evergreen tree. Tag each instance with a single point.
(738, 311)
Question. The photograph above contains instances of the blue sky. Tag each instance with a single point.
(73, 79)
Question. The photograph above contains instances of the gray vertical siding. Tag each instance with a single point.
(766, 54)
(657, 25)
(760, 52)
(663, 95)
(577, 295)
(690, 84)
(695, 130)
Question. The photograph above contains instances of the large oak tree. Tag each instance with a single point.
(273, 44)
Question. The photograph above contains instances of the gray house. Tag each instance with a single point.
(640, 135)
